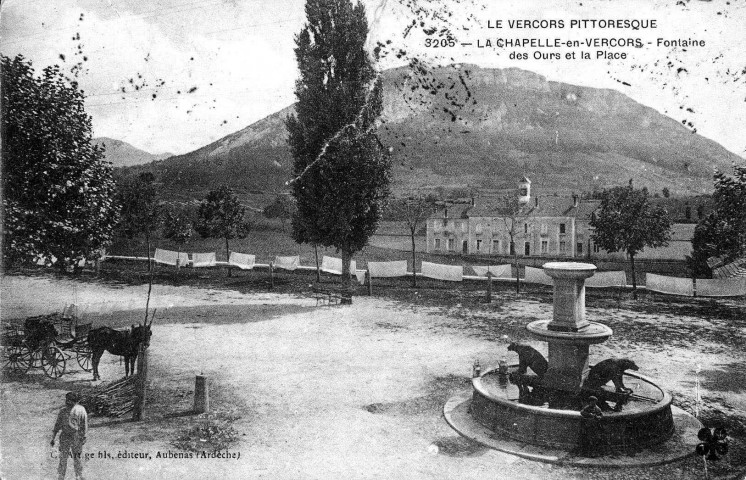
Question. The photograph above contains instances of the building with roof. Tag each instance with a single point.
(538, 225)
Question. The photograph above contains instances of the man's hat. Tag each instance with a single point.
(592, 399)
(72, 397)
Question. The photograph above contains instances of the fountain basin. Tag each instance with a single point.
(643, 423)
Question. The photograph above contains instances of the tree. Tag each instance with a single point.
(140, 209)
(413, 211)
(723, 232)
(514, 216)
(341, 172)
(627, 221)
(177, 226)
(58, 193)
(221, 215)
(666, 192)
(283, 207)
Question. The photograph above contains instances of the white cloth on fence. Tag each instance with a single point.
(169, 257)
(42, 260)
(537, 275)
(360, 275)
(504, 271)
(616, 278)
(334, 265)
(244, 261)
(672, 285)
(451, 273)
(203, 259)
(396, 268)
(721, 287)
(287, 263)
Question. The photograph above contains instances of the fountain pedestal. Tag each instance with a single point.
(568, 333)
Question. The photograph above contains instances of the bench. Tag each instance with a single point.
(328, 295)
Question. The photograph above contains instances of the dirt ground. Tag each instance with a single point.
(347, 391)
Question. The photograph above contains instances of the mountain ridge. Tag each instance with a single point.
(463, 125)
(123, 154)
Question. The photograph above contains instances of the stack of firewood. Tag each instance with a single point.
(111, 399)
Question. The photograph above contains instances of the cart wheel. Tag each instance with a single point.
(36, 358)
(53, 362)
(17, 359)
(85, 354)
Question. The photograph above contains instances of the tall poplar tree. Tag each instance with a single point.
(341, 171)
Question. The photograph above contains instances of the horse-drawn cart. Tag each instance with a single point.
(46, 342)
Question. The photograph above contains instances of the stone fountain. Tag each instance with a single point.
(539, 417)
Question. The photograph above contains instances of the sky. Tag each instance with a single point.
(175, 75)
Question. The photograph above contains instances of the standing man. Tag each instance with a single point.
(72, 421)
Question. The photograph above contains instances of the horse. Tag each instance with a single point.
(125, 343)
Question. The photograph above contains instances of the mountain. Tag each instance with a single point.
(122, 154)
(463, 125)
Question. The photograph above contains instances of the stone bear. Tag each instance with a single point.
(611, 369)
(529, 357)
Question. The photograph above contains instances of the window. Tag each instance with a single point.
(562, 247)
(478, 228)
(496, 246)
(512, 248)
(544, 247)
(580, 248)
(688, 212)
(436, 225)
(463, 227)
(596, 248)
(562, 228)
(479, 245)
(700, 212)
(527, 249)
(437, 244)
(543, 229)
(525, 228)
(451, 244)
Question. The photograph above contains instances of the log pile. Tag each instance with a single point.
(113, 399)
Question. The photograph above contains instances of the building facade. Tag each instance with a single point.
(549, 225)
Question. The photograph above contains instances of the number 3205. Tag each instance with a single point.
(440, 42)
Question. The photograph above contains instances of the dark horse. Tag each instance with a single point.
(125, 343)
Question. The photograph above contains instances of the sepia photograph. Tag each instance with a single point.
(373, 239)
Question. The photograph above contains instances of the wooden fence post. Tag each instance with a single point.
(271, 275)
(370, 282)
(140, 384)
(489, 287)
(201, 395)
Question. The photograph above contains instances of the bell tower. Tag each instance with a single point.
(524, 190)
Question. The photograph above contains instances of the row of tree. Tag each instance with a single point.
(59, 198)
(219, 215)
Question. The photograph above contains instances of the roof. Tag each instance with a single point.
(547, 206)
(454, 211)
(736, 268)
(676, 207)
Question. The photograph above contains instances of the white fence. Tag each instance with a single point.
(670, 285)
(719, 287)
(451, 273)
(537, 275)
(615, 278)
